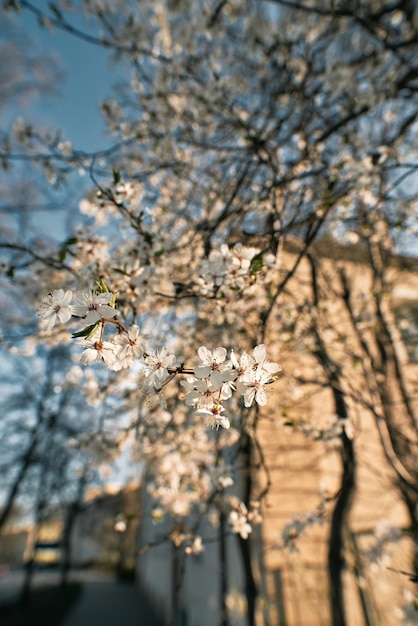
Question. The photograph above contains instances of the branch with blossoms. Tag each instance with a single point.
(107, 340)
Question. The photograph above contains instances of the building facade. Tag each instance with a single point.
(327, 335)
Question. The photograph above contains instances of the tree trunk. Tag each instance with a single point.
(251, 591)
(250, 586)
(336, 559)
(26, 462)
(223, 577)
(411, 501)
(70, 517)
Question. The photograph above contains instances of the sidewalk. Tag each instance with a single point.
(110, 603)
(102, 600)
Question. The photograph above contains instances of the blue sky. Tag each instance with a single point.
(76, 111)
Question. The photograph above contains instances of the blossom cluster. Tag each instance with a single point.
(240, 518)
(207, 385)
(331, 432)
(299, 523)
(384, 535)
(230, 267)
(217, 377)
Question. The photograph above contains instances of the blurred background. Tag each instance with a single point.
(135, 138)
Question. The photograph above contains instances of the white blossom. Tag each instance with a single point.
(93, 307)
(238, 519)
(55, 307)
(252, 387)
(145, 278)
(129, 346)
(244, 256)
(212, 416)
(196, 547)
(211, 361)
(260, 358)
(244, 364)
(98, 350)
(158, 363)
(199, 392)
(214, 269)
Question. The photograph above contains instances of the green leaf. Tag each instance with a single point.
(88, 331)
(102, 286)
(116, 177)
(113, 300)
(148, 237)
(257, 263)
(70, 241)
(118, 270)
(65, 249)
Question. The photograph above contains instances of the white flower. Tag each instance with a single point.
(198, 393)
(258, 361)
(246, 363)
(93, 307)
(215, 268)
(212, 416)
(239, 522)
(223, 382)
(99, 350)
(129, 347)
(212, 361)
(260, 357)
(254, 514)
(93, 210)
(224, 482)
(124, 192)
(158, 363)
(145, 278)
(244, 255)
(65, 148)
(196, 547)
(151, 394)
(56, 307)
(226, 268)
(203, 393)
(252, 387)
